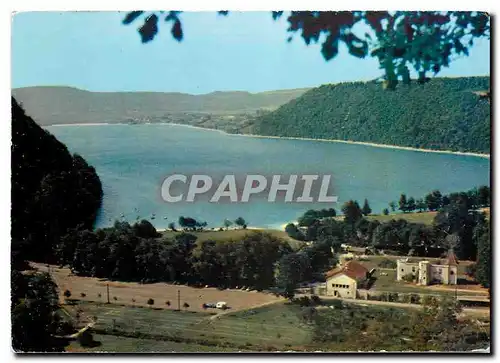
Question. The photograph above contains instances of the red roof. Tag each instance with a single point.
(352, 269)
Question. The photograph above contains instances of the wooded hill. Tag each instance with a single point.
(53, 192)
(443, 114)
(68, 105)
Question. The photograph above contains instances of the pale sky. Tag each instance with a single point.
(243, 51)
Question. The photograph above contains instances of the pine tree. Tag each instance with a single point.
(411, 206)
(366, 208)
(403, 203)
(483, 270)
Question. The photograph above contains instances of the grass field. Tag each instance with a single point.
(423, 217)
(234, 234)
(276, 327)
(273, 327)
(118, 344)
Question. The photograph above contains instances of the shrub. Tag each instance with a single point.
(415, 299)
(151, 301)
(393, 297)
(86, 339)
(387, 263)
(67, 294)
(337, 304)
(316, 300)
(406, 298)
(409, 277)
(304, 301)
(470, 270)
(428, 300)
(308, 314)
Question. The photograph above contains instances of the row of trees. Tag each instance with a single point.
(136, 253)
(188, 223)
(350, 209)
(458, 226)
(474, 198)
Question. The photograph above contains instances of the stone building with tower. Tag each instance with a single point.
(426, 273)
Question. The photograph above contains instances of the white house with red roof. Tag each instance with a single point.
(343, 281)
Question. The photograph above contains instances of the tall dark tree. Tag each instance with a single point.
(366, 208)
(456, 219)
(403, 203)
(484, 196)
(420, 205)
(35, 325)
(144, 229)
(293, 268)
(434, 200)
(411, 206)
(240, 222)
(483, 265)
(352, 212)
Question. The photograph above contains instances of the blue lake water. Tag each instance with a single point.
(133, 160)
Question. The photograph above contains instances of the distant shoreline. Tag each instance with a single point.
(385, 146)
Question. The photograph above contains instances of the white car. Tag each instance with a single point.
(221, 305)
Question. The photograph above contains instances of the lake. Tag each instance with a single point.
(133, 160)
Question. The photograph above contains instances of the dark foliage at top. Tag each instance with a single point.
(52, 191)
(427, 41)
(445, 114)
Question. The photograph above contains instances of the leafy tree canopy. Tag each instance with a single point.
(425, 41)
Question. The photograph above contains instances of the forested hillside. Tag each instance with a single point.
(68, 105)
(53, 191)
(443, 114)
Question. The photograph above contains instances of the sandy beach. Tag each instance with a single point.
(386, 146)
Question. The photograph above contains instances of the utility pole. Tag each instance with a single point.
(107, 290)
(179, 300)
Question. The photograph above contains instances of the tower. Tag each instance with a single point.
(423, 273)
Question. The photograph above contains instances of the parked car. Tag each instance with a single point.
(221, 305)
